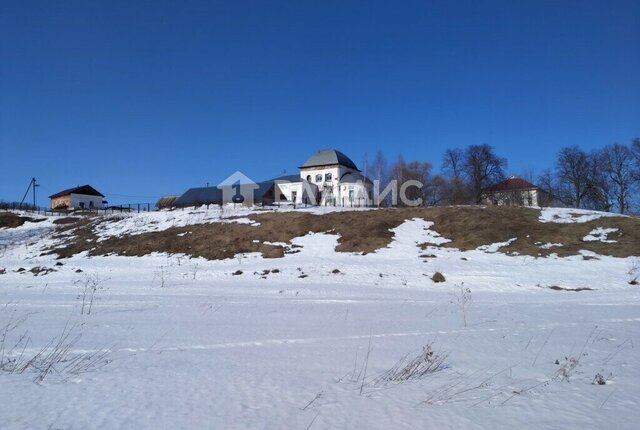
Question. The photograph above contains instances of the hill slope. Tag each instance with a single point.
(524, 232)
(323, 336)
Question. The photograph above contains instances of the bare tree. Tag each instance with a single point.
(528, 174)
(452, 162)
(399, 170)
(379, 171)
(421, 171)
(599, 189)
(378, 168)
(635, 149)
(617, 162)
(416, 171)
(438, 191)
(365, 165)
(454, 191)
(482, 168)
(547, 188)
(572, 170)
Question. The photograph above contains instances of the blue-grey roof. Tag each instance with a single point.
(328, 157)
(261, 191)
(288, 178)
(214, 195)
(353, 177)
(199, 196)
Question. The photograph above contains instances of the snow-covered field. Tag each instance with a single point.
(304, 341)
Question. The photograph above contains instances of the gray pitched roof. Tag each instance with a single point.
(262, 193)
(199, 196)
(288, 178)
(328, 157)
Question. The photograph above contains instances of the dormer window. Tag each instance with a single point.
(327, 177)
(318, 177)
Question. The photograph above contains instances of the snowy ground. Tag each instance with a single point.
(190, 345)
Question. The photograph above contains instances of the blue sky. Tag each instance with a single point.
(145, 98)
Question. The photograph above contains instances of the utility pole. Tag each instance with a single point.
(32, 186)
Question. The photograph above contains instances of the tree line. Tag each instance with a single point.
(606, 178)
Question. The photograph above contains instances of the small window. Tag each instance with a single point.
(327, 177)
(318, 177)
(91, 204)
(308, 178)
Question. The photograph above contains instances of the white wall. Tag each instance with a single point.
(504, 198)
(340, 194)
(76, 199)
(322, 171)
(354, 194)
(299, 188)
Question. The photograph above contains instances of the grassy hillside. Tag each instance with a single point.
(270, 233)
(11, 220)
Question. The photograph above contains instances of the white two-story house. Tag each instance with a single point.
(327, 178)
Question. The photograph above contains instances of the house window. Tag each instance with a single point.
(81, 205)
(318, 177)
(294, 196)
(327, 177)
(530, 200)
(308, 178)
(91, 204)
(351, 196)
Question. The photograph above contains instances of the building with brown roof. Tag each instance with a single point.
(515, 191)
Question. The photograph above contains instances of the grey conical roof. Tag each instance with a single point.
(327, 157)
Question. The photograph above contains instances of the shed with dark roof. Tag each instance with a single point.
(264, 193)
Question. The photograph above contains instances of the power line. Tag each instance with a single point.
(130, 196)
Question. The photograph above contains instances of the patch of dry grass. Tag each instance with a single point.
(11, 220)
(76, 235)
(470, 227)
(558, 288)
(39, 270)
(438, 277)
